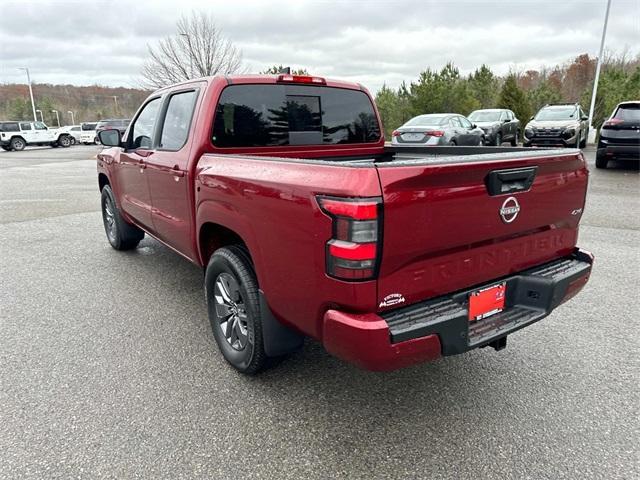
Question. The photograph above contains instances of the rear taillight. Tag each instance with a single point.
(395, 133)
(613, 122)
(287, 78)
(353, 252)
(435, 133)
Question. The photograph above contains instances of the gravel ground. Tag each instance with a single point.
(108, 368)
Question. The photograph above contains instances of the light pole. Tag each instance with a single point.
(115, 99)
(33, 105)
(73, 118)
(592, 133)
(190, 54)
(57, 117)
(41, 116)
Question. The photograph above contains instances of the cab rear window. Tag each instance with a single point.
(280, 115)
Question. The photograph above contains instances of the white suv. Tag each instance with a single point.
(17, 135)
(88, 133)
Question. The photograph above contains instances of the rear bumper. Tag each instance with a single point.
(440, 326)
(621, 151)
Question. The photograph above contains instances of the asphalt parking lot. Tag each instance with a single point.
(108, 368)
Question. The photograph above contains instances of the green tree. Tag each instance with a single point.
(542, 94)
(441, 92)
(20, 109)
(615, 86)
(514, 98)
(276, 69)
(484, 86)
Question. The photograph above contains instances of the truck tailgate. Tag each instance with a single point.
(450, 225)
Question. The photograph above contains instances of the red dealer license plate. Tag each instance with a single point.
(486, 302)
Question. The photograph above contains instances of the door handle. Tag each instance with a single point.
(176, 172)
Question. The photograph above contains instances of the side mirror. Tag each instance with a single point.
(584, 117)
(110, 138)
(506, 120)
(474, 125)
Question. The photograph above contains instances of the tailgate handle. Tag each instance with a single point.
(500, 182)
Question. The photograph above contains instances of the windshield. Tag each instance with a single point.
(628, 113)
(481, 116)
(557, 113)
(426, 121)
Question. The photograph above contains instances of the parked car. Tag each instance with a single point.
(564, 125)
(73, 131)
(18, 135)
(499, 125)
(282, 190)
(117, 124)
(88, 133)
(438, 129)
(620, 135)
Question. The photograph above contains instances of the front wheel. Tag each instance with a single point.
(498, 141)
(121, 235)
(234, 309)
(515, 139)
(96, 141)
(64, 141)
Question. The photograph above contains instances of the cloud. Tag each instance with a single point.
(372, 42)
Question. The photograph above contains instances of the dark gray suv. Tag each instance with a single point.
(563, 125)
(499, 125)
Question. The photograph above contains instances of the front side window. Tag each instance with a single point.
(465, 123)
(142, 132)
(280, 115)
(25, 126)
(177, 120)
(40, 126)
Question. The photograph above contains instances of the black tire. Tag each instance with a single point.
(230, 274)
(96, 141)
(6, 148)
(498, 140)
(514, 140)
(18, 144)
(54, 145)
(583, 143)
(452, 143)
(601, 160)
(121, 235)
(64, 141)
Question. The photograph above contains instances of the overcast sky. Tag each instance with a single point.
(372, 42)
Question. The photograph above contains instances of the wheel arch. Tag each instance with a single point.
(103, 180)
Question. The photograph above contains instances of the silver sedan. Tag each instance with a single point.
(438, 129)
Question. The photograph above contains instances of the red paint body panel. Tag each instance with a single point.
(441, 231)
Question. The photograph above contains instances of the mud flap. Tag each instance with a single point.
(278, 339)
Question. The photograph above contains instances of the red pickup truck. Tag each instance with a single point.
(282, 188)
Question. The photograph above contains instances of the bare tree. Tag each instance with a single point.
(198, 49)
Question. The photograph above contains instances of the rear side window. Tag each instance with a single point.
(280, 115)
(87, 127)
(177, 120)
(628, 113)
(9, 127)
(143, 128)
(25, 126)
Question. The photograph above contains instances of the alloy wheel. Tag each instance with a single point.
(231, 311)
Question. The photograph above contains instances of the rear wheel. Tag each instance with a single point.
(121, 235)
(18, 144)
(6, 149)
(601, 160)
(234, 309)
